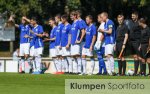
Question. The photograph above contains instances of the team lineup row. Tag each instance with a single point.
(74, 42)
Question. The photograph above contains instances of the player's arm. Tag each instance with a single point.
(69, 41)
(102, 37)
(82, 35)
(125, 39)
(149, 45)
(16, 25)
(27, 19)
(52, 39)
(39, 35)
(93, 41)
(109, 31)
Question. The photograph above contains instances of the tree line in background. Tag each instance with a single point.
(44, 9)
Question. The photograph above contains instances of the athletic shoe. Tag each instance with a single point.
(66, 73)
(82, 74)
(113, 74)
(105, 73)
(36, 72)
(22, 72)
(90, 74)
(59, 72)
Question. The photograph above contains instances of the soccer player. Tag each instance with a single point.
(31, 49)
(100, 48)
(37, 32)
(144, 44)
(82, 22)
(109, 40)
(24, 42)
(121, 41)
(89, 44)
(65, 45)
(76, 28)
(60, 26)
(134, 39)
(52, 50)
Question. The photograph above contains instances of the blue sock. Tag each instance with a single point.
(102, 65)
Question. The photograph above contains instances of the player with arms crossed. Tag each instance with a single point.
(121, 40)
(65, 45)
(144, 45)
(100, 48)
(109, 39)
(24, 42)
(76, 28)
(89, 43)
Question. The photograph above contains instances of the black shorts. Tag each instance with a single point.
(119, 48)
(134, 47)
(143, 51)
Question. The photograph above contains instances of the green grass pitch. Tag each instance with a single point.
(13, 83)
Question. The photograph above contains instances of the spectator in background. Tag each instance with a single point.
(16, 55)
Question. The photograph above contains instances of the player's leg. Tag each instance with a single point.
(70, 63)
(83, 61)
(100, 59)
(143, 58)
(32, 56)
(60, 66)
(107, 63)
(148, 61)
(135, 50)
(102, 65)
(92, 65)
(22, 64)
(123, 65)
(78, 57)
(109, 49)
(26, 56)
(52, 54)
(65, 64)
(75, 53)
(99, 62)
(118, 50)
(74, 66)
(38, 60)
(21, 53)
(66, 54)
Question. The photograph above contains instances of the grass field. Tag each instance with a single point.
(13, 83)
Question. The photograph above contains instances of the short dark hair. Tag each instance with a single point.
(105, 13)
(58, 16)
(142, 20)
(34, 18)
(73, 13)
(135, 13)
(79, 12)
(120, 16)
(64, 17)
(51, 19)
(90, 17)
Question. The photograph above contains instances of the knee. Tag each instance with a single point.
(135, 57)
(92, 58)
(122, 59)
